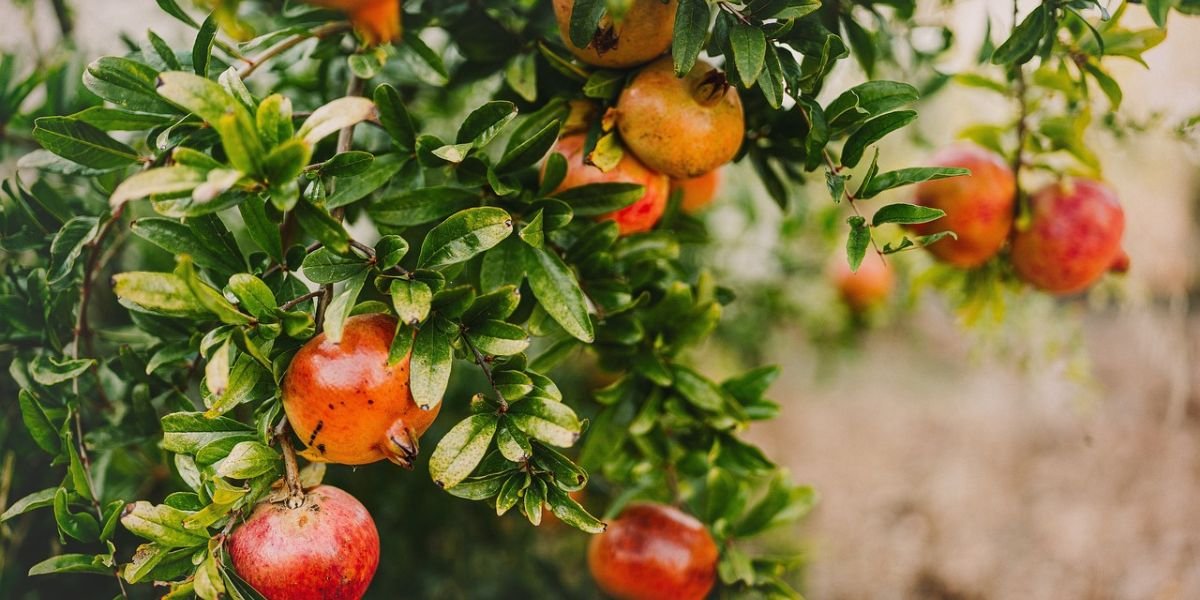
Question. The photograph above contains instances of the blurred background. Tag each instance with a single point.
(1050, 449)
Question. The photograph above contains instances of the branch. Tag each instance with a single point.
(290, 304)
(291, 471)
(482, 361)
(836, 170)
(324, 31)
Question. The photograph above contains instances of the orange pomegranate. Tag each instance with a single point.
(643, 33)
(347, 405)
(684, 127)
(652, 552)
(1073, 238)
(978, 207)
(869, 286)
(638, 217)
(697, 192)
(377, 21)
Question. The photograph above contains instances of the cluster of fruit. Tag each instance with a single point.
(676, 132)
(1070, 239)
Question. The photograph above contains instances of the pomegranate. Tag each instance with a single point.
(327, 548)
(869, 286)
(347, 405)
(654, 551)
(377, 21)
(978, 207)
(684, 127)
(642, 34)
(638, 217)
(697, 192)
(1073, 238)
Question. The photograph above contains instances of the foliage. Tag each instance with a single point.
(227, 194)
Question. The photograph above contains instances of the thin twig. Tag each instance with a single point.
(252, 64)
(482, 361)
(290, 304)
(1018, 160)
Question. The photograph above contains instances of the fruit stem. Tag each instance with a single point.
(291, 471)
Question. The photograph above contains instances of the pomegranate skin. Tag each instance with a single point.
(869, 286)
(653, 552)
(978, 207)
(643, 34)
(327, 549)
(1073, 238)
(347, 405)
(638, 217)
(697, 192)
(684, 127)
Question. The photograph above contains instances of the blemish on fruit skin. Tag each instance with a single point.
(316, 430)
(321, 448)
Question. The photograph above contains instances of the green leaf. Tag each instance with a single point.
(749, 47)
(353, 189)
(691, 28)
(322, 266)
(422, 205)
(119, 119)
(498, 338)
(346, 111)
(126, 83)
(432, 361)
(902, 177)
(872, 131)
(202, 47)
(253, 295)
(273, 120)
(68, 244)
(204, 97)
(771, 81)
(818, 134)
(239, 388)
(461, 449)
(485, 123)
(862, 43)
(48, 371)
(178, 180)
(344, 164)
(601, 198)
(422, 60)
(339, 308)
(906, 214)
(513, 444)
(570, 512)
(867, 100)
(394, 117)
(532, 232)
(187, 432)
(72, 563)
(521, 75)
(161, 524)
(546, 420)
(558, 292)
(857, 242)
(36, 500)
(322, 226)
(38, 425)
(604, 84)
(697, 389)
(160, 293)
(207, 296)
(247, 460)
(80, 526)
(1023, 42)
(585, 19)
(81, 143)
(529, 150)
(285, 162)
(412, 300)
(464, 235)
(177, 238)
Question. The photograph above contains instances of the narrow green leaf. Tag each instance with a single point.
(432, 361)
(464, 235)
(81, 143)
(872, 131)
(461, 449)
(749, 47)
(906, 214)
(558, 292)
(691, 29)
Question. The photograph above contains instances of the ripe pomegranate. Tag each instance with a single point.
(697, 192)
(642, 34)
(377, 21)
(684, 127)
(640, 216)
(1120, 264)
(869, 286)
(327, 548)
(347, 405)
(654, 551)
(979, 207)
(1073, 238)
